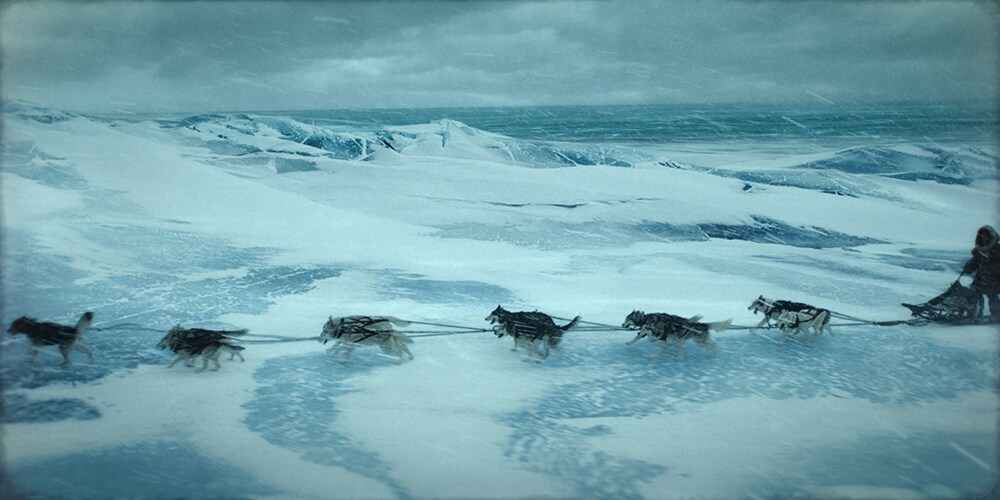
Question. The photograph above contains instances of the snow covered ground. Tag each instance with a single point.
(273, 224)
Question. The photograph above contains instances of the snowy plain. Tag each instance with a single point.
(274, 223)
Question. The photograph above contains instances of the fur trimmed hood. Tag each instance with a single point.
(986, 239)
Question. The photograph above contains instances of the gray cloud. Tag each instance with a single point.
(194, 56)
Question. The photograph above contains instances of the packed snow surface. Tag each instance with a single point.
(274, 222)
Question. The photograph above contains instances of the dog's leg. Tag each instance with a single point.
(181, 356)
(348, 349)
(824, 323)
(759, 324)
(558, 349)
(399, 348)
(392, 345)
(211, 353)
(544, 343)
(529, 349)
(405, 349)
(786, 333)
(634, 340)
(543, 348)
(817, 328)
(32, 353)
(80, 347)
(708, 343)
(659, 350)
(532, 353)
(64, 350)
(809, 336)
(339, 346)
(680, 350)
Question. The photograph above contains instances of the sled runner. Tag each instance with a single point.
(957, 305)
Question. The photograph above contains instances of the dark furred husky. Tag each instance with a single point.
(189, 343)
(672, 330)
(68, 338)
(531, 330)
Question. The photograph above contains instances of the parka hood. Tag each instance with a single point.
(986, 238)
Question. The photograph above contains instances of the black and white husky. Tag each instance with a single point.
(43, 333)
(669, 330)
(350, 331)
(191, 343)
(792, 317)
(531, 330)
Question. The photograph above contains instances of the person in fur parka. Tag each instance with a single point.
(985, 264)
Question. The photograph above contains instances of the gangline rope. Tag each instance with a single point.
(585, 326)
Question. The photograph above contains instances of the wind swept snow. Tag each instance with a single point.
(275, 223)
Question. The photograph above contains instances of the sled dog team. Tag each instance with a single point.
(534, 332)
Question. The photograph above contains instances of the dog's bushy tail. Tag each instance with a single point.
(720, 326)
(571, 325)
(401, 338)
(396, 321)
(824, 324)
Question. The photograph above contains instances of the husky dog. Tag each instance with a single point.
(531, 330)
(349, 331)
(798, 317)
(793, 322)
(213, 349)
(68, 338)
(669, 329)
(771, 309)
(190, 343)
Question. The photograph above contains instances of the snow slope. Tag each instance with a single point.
(273, 224)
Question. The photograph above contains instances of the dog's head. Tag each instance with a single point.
(20, 325)
(761, 305)
(331, 330)
(497, 315)
(634, 319)
(499, 319)
(171, 338)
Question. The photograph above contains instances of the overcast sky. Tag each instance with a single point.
(228, 56)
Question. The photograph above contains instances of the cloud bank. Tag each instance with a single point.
(227, 56)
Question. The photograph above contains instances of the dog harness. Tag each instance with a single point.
(356, 325)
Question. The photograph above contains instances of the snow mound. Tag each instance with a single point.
(250, 136)
(914, 162)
